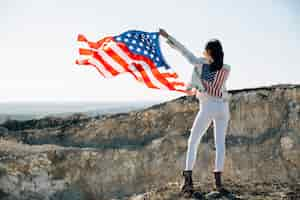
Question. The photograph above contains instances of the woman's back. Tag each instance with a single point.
(214, 82)
(208, 82)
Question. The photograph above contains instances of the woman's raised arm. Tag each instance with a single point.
(181, 48)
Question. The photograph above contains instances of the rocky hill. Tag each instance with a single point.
(140, 154)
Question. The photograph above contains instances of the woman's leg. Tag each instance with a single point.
(220, 128)
(219, 134)
(199, 127)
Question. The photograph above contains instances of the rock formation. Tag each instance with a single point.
(127, 155)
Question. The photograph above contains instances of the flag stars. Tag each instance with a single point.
(142, 44)
(136, 36)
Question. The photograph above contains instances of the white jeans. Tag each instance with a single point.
(211, 109)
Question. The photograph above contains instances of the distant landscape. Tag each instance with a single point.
(35, 110)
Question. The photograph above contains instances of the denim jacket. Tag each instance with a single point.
(195, 80)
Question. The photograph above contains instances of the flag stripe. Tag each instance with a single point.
(97, 60)
(154, 70)
(81, 38)
(108, 67)
(145, 66)
(167, 73)
(87, 62)
(214, 91)
(83, 51)
(218, 79)
(115, 57)
(223, 80)
(110, 61)
(145, 76)
(154, 79)
(170, 75)
(100, 67)
(93, 45)
(220, 82)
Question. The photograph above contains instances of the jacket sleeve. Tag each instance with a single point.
(195, 81)
(184, 51)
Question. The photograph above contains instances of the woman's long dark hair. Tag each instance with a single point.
(215, 49)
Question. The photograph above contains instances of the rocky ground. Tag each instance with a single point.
(251, 191)
(140, 154)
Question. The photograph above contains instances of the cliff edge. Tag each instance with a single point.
(140, 154)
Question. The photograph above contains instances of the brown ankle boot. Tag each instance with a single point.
(218, 183)
(187, 187)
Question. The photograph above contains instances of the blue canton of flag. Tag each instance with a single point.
(207, 74)
(144, 43)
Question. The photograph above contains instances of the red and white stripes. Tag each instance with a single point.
(214, 88)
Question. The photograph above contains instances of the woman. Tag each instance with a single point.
(208, 84)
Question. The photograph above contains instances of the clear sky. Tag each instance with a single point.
(261, 41)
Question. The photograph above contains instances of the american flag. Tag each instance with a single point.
(135, 52)
(213, 80)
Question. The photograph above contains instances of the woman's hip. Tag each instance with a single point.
(215, 107)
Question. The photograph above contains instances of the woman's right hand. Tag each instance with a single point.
(163, 33)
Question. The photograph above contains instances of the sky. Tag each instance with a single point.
(38, 48)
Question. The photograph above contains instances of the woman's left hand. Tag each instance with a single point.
(163, 33)
(191, 92)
